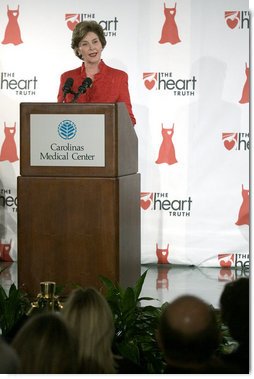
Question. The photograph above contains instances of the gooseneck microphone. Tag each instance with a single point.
(67, 87)
(86, 84)
(82, 89)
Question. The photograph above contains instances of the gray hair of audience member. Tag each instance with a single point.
(188, 331)
(9, 361)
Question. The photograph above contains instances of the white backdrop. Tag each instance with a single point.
(188, 67)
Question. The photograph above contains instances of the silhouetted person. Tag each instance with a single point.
(46, 345)
(90, 317)
(9, 361)
(234, 304)
(189, 336)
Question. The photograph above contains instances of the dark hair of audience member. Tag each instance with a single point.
(46, 345)
(234, 306)
(9, 361)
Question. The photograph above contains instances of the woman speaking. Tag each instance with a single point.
(94, 81)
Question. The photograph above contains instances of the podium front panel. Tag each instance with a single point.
(71, 230)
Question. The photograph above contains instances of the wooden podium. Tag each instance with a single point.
(77, 219)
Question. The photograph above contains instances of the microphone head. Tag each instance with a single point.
(68, 84)
(88, 81)
(86, 84)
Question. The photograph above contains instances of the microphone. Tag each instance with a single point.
(86, 84)
(67, 86)
(82, 89)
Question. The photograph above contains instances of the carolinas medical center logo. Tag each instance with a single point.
(167, 81)
(66, 151)
(109, 26)
(67, 129)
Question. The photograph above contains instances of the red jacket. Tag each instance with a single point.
(109, 86)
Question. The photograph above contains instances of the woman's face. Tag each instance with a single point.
(90, 48)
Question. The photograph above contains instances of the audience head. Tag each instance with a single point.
(9, 361)
(188, 331)
(234, 305)
(46, 345)
(90, 317)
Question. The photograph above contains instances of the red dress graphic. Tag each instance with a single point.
(162, 278)
(243, 216)
(167, 149)
(246, 88)
(162, 255)
(169, 31)
(9, 150)
(12, 31)
(5, 249)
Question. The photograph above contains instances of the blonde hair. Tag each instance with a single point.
(91, 319)
(45, 344)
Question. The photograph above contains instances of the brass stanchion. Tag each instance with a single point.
(46, 299)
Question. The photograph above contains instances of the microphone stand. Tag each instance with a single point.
(82, 89)
(75, 98)
(69, 91)
(77, 94)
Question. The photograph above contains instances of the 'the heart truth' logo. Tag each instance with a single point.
(232, 18)
(72, 20)
(146, 199)
(226, 274)
(150, 79)
(226, 260)
(229, 140)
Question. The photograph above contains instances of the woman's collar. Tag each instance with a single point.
(101, 69)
